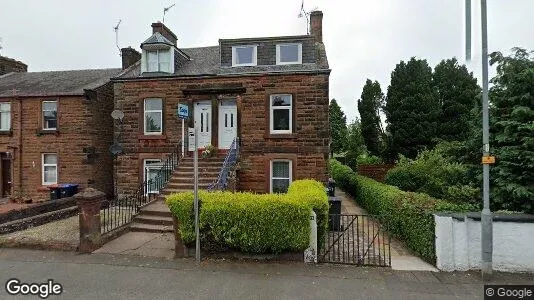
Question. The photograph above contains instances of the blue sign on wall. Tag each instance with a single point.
(183, 111)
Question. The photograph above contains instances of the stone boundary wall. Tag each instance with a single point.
(458, 245)
(376, 172)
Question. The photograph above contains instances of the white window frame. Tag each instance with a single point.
(299, 55)
(48, 165)
(145, 111)
(43, 111)
(158, 54)
(271, 114)
(271, 178)
(8, 112)
(254, 56)
(145, 172)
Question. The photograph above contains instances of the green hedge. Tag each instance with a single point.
(406, 215)
(253, 223)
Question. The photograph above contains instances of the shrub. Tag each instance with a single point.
(406, 215)
(253, 223)
(434, 174)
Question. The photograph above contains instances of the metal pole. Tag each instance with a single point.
(183, 137)
(467, 30)
(486, 218)
(197, 232)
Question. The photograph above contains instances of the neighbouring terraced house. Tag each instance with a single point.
(271, 93)
(268, 95)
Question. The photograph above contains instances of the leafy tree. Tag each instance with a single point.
(368, 107)
(457, 90)
(412, 108)
(355, 144)
(338, 128)
(512, 130)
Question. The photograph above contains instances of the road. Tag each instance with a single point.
(102, 276)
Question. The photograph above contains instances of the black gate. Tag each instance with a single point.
(356, 239)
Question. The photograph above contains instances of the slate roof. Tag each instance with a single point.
(54, 83)
(205, 61)
(157, 38)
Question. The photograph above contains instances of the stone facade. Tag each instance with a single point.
(81, 141)
(8, 65)
(307, 147)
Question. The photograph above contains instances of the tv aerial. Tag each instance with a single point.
(165, 10)
(116, 28)
(304, 13)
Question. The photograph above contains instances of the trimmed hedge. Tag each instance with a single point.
(406, 215)
(254, 223)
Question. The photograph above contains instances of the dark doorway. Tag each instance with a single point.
(6, 173)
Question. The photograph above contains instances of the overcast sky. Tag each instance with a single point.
(363, 38)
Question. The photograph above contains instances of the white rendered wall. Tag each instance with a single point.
(458, 245)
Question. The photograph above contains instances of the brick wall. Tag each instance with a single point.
(376, 172)
(8, 65)
(307, 147)
(81, 124)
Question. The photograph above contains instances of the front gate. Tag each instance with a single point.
(356, 239)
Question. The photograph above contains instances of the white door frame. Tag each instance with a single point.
(203, 124)
(227, 123)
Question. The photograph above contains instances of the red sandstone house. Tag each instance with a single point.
(55, 127)
(271, 93)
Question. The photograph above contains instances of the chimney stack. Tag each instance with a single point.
(8, 65)
(316, 25)
(164, 31)
(129, 57)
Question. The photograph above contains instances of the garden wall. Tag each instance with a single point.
(458, 242)
(377, 172)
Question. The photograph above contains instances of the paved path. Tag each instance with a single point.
(401, 257)
(141, 243)
(104, 276)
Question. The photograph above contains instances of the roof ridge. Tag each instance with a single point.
(75, 70)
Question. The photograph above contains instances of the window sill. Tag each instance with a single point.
(6, 132)
(280, 136)
(152, 137)
(47, 132)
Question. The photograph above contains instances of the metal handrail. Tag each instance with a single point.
(229, 162)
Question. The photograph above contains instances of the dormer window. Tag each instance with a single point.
(244, 55)
(287, 54)
(158, 61)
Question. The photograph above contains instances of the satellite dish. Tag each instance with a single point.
(115, 149)
(117, 114)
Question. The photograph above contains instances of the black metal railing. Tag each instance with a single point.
(227, 168)
(120, 211)
(356, 239)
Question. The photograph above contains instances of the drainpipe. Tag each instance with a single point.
(20, 144)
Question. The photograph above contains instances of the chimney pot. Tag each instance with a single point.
(316, 25)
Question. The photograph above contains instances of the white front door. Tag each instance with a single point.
(227, 123)
(203, 123)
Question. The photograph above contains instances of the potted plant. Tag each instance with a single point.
(209, 151)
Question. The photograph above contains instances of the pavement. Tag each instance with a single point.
(106, 276)
(401, 257)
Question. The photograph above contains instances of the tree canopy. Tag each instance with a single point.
(369, 106)
(412, 108)
(338, 128)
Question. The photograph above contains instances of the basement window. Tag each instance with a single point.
(151, 169)
(280, 175)
(244, 55)
(49, 168)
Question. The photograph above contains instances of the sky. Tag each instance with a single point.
(363, 38)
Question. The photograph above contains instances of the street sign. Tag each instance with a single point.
(488, 160)
(183, 111)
